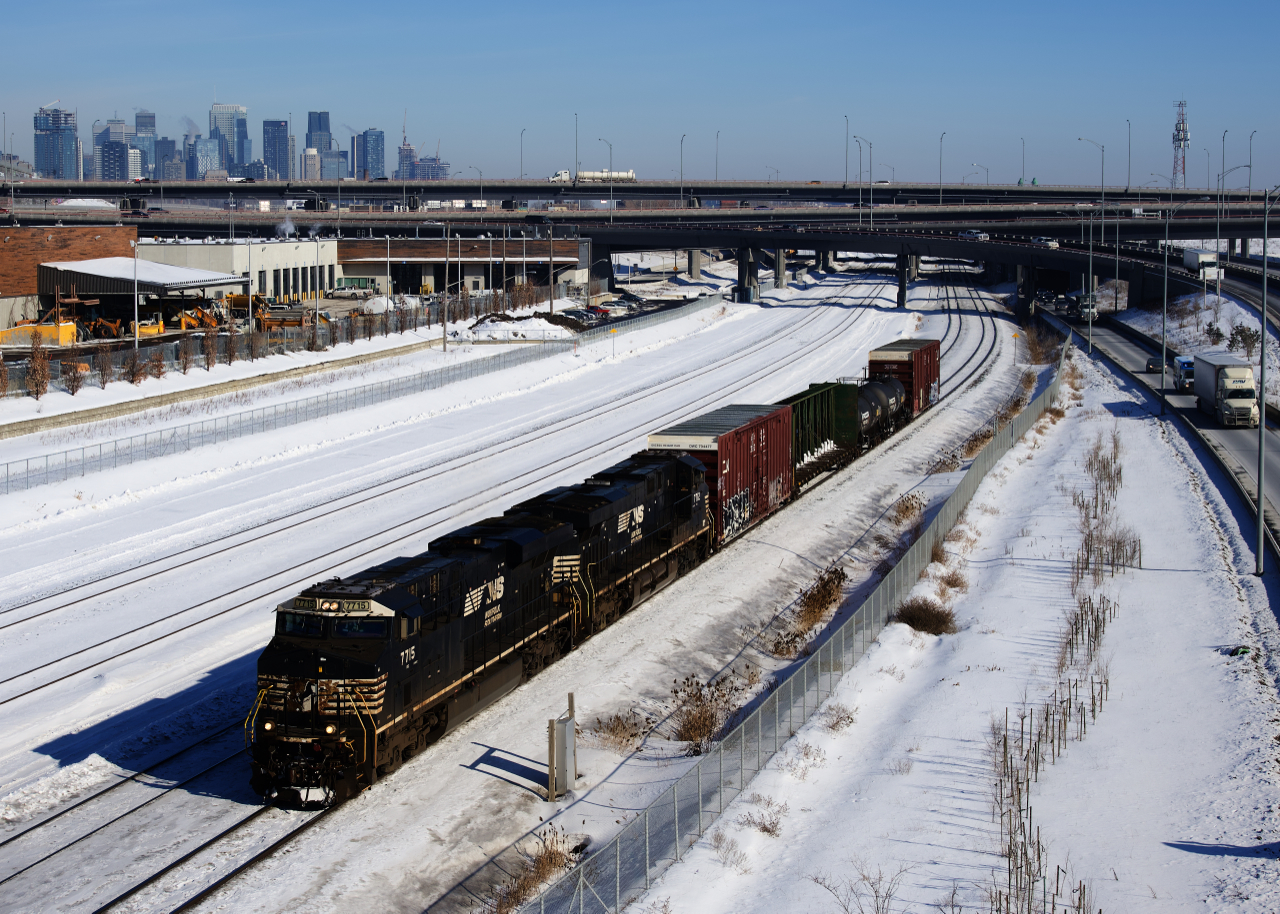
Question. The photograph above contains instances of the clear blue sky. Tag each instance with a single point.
(776, 80)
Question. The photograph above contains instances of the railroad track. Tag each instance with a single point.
(247, 821)
(236, 831)
(405, 529)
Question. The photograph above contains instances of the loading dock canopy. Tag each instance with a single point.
(114, 276)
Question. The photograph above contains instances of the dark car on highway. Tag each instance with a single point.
(1153, 364)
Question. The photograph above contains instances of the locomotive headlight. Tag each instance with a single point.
(268, 726)
(330, 729)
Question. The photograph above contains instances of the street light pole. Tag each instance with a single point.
(718, 156)
(846, 150)
(486, 202)
(871, 190)
(1024, 159)
(1251, 176)
(610, 145)
(983, 167)
(134, 245)
(1164, 306)
(682, 136)
(522, 130)
(1102, 226)
(944, 133)
(1262, 386)
(1128, 175)
(858, 140)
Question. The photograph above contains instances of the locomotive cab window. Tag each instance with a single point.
(360, 628)
(302, 625)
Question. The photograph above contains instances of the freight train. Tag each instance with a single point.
(367, 670)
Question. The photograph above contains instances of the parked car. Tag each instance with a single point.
(1044, 242)
(974, 235)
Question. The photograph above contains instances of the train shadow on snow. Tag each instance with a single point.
(141, 736)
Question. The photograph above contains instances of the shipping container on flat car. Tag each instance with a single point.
(914, 364)
(747, 454)
(825, 429)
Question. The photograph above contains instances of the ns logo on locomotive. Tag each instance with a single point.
(365, 671)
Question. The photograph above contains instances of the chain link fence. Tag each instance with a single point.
(20, 475)
(620, 871)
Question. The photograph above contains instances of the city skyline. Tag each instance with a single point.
(749, 102)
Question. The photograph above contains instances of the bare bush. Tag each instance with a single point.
(702, 710)
(802, 758)
(155, 364)
(907, 508)
(186, 354)
(767, 819)
(1042, 345)
(622, 732)
(900, 767)
(4, 379)
(209, 344)
(73, 375)
(729, 853)
(977, 441)
(926, 615)
(233, 343)
(550, 857)
(37, 367)
(836, 717)
(938, 553)
(133, 370)
(868, 891)
(257, 345)
(102, 362)
(955, 579)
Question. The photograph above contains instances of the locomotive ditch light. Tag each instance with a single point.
(330, 729)
(269, 725)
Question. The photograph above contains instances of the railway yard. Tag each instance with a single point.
(146, 592)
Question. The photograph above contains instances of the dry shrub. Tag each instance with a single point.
(702, 710)
(728, 852)
(947, 463)
(155, 364)
(926, 615)
(938, 553)
(38, 367)
(233, 342)
(551, 857)
(802, 759)
(1055, 413)
(977, 441)
(836, 717)
(209, 344)
(818, 597)
(133, 370)
(907, 508)
(1028, 381)
(1043, 345)
(186, 354)
(621, 732)
(954, 578)
(73, 375)
(4, 379)
(102, 362)
(767, 819)
(257, 345)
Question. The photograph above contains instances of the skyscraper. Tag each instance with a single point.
(370, 154)
(275, 150)
(58, 152)
(407, 160)
(309, 165)
(226, 122)
(144, 140)
(166, 150)
(119, 161)
(319, 137)
(115, 131)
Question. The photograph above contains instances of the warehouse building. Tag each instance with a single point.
(287, 269)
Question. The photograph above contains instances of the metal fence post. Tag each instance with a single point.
(646, 849)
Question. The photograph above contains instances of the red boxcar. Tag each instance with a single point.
(914, 364)
(747, 454)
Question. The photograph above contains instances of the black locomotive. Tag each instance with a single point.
(365, 671)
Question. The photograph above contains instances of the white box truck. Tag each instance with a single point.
(1195, 260)
(1225, 389)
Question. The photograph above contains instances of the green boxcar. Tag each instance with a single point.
(825, 429)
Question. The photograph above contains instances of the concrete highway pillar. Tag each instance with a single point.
(695, 265)
(903, 262)
(1244, 247)
(1137, 278)
(753, 274)
(913, 267)
(780, 268)
(744, 290)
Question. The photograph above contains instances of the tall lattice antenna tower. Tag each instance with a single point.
(1181, 142)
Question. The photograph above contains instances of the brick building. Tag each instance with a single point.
(22, 250)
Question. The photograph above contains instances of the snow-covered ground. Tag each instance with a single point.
(1169, 802)
(217, 536)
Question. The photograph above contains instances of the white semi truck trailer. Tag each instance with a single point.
(1225, 388)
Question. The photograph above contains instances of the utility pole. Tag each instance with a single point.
(944, 133)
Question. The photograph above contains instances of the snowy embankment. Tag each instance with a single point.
(1161, 796)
